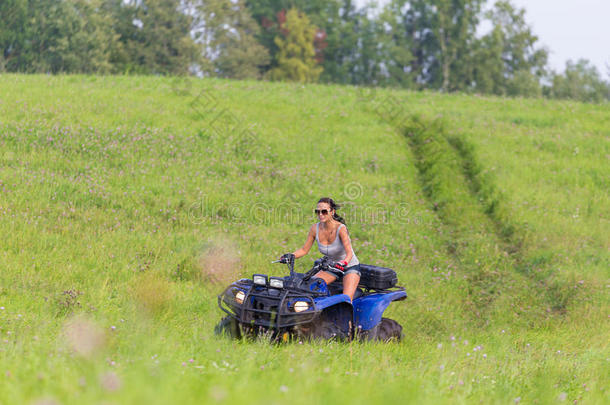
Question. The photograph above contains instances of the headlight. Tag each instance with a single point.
(301, 306)
(240, 296)
(276, 282)
(259, 279)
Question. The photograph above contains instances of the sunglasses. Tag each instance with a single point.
(323, 212)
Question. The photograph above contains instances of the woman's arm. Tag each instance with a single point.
(308, 243)
(347, 245)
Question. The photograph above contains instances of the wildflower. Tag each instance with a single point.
(283, 388)
(113, 328)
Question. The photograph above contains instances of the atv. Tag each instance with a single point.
(303, 307)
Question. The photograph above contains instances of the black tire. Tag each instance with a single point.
(322, 329)
(229, 327)
(385, 331)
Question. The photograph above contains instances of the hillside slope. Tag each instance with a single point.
(127, 203)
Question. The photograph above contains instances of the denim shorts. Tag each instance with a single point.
(355, 269)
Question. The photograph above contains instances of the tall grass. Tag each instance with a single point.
(127, 202)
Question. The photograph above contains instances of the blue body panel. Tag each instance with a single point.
(325, 302)
(368, 310)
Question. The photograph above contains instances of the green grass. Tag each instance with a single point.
(126, 203)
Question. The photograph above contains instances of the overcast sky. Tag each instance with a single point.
(570, 29)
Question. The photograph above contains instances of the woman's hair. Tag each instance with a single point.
(333, 206)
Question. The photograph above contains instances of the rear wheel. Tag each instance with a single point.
(385, 331)
(321, 329)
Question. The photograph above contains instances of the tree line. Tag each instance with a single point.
(411, 44)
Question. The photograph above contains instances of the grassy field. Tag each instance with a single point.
(127, 203)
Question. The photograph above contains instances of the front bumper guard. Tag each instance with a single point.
(262, 308)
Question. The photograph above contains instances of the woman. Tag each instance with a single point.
(333, 241)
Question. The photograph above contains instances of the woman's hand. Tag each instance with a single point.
(340, 265)
(287, 258)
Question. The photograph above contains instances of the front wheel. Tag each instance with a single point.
(228, 326)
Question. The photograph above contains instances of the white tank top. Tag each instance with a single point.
(335, 250)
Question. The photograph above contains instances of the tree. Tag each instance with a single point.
(336, 42)
(241, 55)
(507, 60)
(12, 23)
(396, 43)
(439, 35)
(155, 37)
(296, 53)
(580, 81)
(226, 33)
(367, 59)
(62, 36)
(454, 24)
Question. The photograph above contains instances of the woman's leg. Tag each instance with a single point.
(350, 283)
(326, 276)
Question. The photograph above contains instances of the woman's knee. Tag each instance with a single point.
(327, 277)
(351, 278)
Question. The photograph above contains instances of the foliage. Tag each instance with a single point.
(324, 14)
(398, 46)
(580, 81)
(412, 44)
(439, 34)
(507, 61)
(12, 19)
(296, 54)
(155, 36)
(59, 36)
(227, 34)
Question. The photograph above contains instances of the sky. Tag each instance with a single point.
(569, 29)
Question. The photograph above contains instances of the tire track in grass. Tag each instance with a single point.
(486, 241)
(511, 233)
(472, 242)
